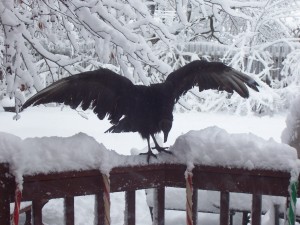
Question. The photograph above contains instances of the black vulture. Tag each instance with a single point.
(138, 108)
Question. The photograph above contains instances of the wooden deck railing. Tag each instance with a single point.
(41, 187)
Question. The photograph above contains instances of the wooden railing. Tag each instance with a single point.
(42, 187)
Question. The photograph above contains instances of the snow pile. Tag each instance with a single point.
(50, 154)
(56, 154)
(7, 102)
(211, 146)
(215, 147)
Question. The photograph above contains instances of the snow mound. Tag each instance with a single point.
(213, 146)
(50, 154)
(57, 154)
(8, 102)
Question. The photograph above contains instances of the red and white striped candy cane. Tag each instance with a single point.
(189, 195)
(106, 199)
(18, 197)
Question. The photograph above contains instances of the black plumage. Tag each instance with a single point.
(138, 108)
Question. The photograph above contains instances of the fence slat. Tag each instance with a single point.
(256, 209)
(5, 209)
(159, 206)
(99, 209)
(276, 214)
(277, 52)
(28, 217)
(130, 208)
(37, 206)
(195, 206)
(5, 189)
(69, 210)
(231, 217)
(245, 219)
(224, 208)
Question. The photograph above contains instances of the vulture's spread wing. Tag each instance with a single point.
(105, 91)
(210, 75)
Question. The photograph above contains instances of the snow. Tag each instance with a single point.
(210, 146)
(216, 147)
(123, 32)
(290, 134)
(32, 144)
(8, 102)
(64, 122)
(210, 200)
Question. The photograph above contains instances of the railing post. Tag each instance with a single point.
(245, 218)
(69, 210)
(232, 213)
(256, 209)
(4, 196)
(130, 208)
(195, 206)
(4, 207)
(224, 208)
(99, 209)
(276, 214)
(159, 206)
(28, 217)
(37, 206)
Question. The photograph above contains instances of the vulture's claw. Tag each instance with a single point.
(162, 149)
(149, 154)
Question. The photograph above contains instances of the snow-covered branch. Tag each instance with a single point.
(143, 40)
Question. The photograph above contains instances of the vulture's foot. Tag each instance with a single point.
(149, 154)
(162, 149)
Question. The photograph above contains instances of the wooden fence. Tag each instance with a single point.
(217, 51)
(42, 187)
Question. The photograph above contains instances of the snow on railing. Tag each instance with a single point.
(57, 167)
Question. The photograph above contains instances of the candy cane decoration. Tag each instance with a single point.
(106, 199)
(189, 195)
(292, 203)
(18, 197)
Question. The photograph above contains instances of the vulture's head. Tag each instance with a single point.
(165, 126)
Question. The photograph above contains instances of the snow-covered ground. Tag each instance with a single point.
(41, 121)
(52, 121)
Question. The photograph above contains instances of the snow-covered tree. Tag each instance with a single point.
(44, 40)
(291, 134)
(248, 30)
(50, 39)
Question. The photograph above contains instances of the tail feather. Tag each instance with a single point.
(248, 80)
(46, 95)
(239, 86)
(123, 126)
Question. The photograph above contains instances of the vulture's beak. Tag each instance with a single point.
(165, 137)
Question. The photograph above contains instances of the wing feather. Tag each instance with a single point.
(105, 91)
(210, 75)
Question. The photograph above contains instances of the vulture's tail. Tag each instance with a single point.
(124, 125)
